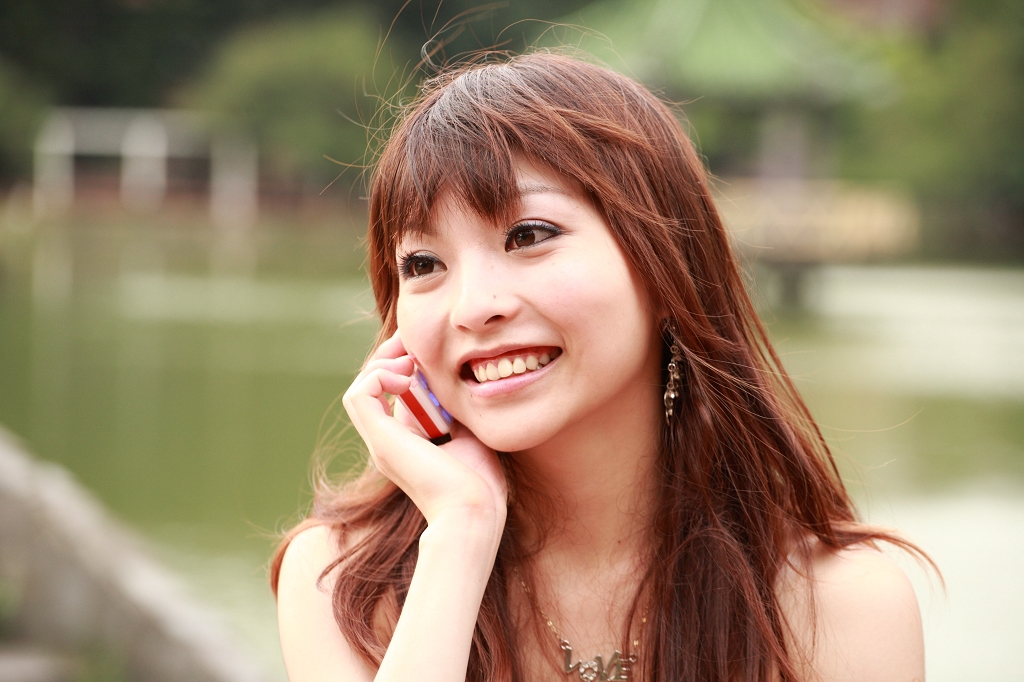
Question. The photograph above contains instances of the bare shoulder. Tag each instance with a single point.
(311, 642)
(309, 552)
(852, 615)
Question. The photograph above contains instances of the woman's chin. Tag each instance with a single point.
(509, 439)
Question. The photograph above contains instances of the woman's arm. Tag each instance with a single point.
(460, 489)
(857, 619)
(434, 632)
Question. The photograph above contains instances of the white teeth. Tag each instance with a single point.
(506, 367)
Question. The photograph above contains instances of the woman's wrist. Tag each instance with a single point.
(466, 530)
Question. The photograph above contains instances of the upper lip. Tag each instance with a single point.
(495, 351)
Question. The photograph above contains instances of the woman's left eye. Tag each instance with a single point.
(418, 265)
(529, 234)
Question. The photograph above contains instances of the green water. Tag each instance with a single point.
(189, 401)
(189, 397)
(177, 396)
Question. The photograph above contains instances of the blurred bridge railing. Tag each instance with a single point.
(794, 224)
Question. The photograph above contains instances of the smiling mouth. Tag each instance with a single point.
(509, 364)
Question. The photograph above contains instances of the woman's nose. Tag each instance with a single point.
(482, 298)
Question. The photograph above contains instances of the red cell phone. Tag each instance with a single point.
(433, 420)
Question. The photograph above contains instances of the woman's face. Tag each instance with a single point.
(523, 330)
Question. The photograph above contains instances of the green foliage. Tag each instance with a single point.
(956, 132)
(117, 53)
(455, 27)
(134, 52)
(957, 120)
(145, 54)
(304, 88)
(726, 135)
(22, 108)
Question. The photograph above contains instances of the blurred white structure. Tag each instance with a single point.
(144, 164)
(233, 206)
(54, 181)
(144, 140)
(234, 180)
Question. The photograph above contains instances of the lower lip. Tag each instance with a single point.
(510, 383)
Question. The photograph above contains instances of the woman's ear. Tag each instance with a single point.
(658, 310)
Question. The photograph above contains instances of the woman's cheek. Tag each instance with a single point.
(421, 335)
(411, 329)
(565, 291)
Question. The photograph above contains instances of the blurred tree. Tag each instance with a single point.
(143, 52)
(320, 84)
(122, 52)
(956, 132)
(133, 52)
(757, 76)
(104, 53)
(22, 106)
(304, 88)
(453, 27)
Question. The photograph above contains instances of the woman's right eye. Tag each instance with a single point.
(418, 265)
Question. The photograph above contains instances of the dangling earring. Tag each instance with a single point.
(674, 383)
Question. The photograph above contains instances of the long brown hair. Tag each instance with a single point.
(743, 469)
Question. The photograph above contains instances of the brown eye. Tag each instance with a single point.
(422, 266)
(522, 236)
(418, 265)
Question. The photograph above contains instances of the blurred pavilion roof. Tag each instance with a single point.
(758, 51)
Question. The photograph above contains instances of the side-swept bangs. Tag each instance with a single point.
(463, 136)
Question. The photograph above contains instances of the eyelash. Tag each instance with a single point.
(550, 229)
(407, 261)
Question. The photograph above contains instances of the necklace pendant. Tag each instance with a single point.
(594, 670)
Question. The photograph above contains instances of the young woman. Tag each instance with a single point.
(633, 489)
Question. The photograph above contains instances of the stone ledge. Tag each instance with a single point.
(78, 578)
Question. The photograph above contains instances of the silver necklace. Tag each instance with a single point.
(616, 668)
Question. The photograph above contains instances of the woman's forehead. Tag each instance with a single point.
(533, 177)
(530, 178)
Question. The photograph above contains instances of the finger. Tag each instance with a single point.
(382, 381)
(401, 365)
(368, 394)
(398, 452)
(434, 478)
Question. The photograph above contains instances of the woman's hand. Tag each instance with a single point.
(460, 489)
(460, 480)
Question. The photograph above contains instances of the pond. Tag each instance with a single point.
(190, 397)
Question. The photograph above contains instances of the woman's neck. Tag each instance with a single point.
(597, 485)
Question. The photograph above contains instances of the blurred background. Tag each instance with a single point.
(181, 299)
